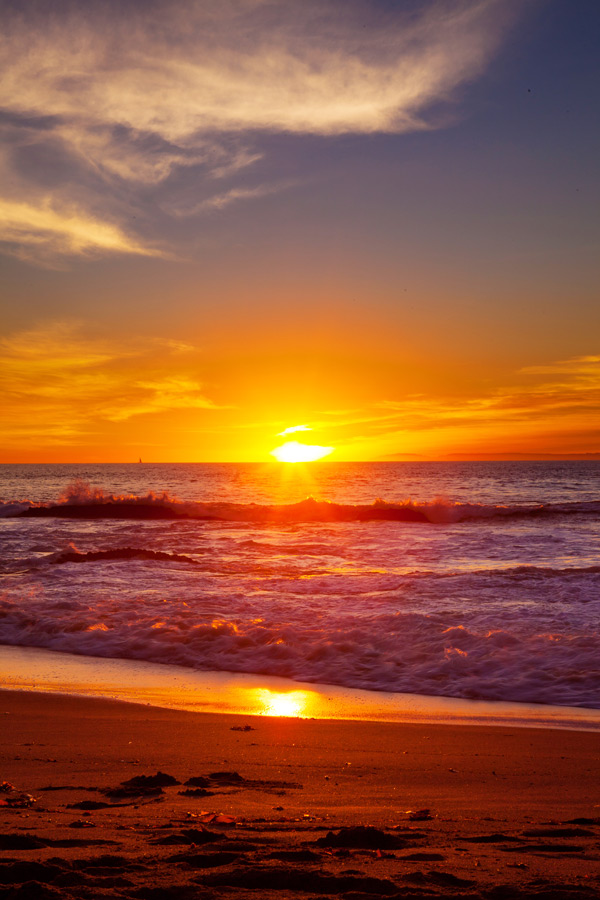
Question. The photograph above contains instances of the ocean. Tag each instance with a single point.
(456, 579)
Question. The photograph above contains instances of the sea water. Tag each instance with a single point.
(468, 580)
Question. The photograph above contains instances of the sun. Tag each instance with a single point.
(294, 452)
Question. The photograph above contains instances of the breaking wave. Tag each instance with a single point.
(80, 501)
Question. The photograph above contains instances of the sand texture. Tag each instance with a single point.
(111, 800)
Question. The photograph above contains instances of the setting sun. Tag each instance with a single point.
(294, 451)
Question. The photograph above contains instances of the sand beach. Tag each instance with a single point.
(107, 799)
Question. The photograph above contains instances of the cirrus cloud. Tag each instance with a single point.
(103, 105)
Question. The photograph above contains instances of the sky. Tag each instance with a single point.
(375, 219)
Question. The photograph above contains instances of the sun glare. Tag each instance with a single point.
(294, 452)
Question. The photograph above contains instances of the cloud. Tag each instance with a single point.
(61, 232)
(575, 393)
(60, 385)
(178, 392)
(221, 201)
(109, 103)
(549, 409)
(583, 368)
(178, 69)
(293, 429)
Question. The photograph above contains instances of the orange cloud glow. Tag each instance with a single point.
(69, 396)
(63, 389)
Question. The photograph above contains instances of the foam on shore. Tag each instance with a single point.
(175, 687)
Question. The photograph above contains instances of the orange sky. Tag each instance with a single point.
(102, 399)
(219, 221)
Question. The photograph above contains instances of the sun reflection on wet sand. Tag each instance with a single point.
(282, 703)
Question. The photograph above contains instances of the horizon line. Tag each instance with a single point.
(507, 457)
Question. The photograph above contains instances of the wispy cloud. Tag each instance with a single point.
(220, 201)
(582, 368)
(36, 229)
(555, 403)
(103, 105)
(294, 428)
(60, 385)
(177, 392)
(575, 392)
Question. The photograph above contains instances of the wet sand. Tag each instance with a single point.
(178, 687)
(285, 807)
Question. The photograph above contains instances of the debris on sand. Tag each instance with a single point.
(189, 836)
(161, 779)
(419, 815)
(364, 837)
(11, 796)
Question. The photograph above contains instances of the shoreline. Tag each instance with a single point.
(31, 669)
(288, 807)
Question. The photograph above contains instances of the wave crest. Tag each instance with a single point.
(119, 553)
(80, 492)
(80, 500)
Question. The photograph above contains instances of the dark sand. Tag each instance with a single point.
(512, 812)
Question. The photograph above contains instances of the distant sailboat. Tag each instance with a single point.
(140, 459)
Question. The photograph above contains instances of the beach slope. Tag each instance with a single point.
(112, 800)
